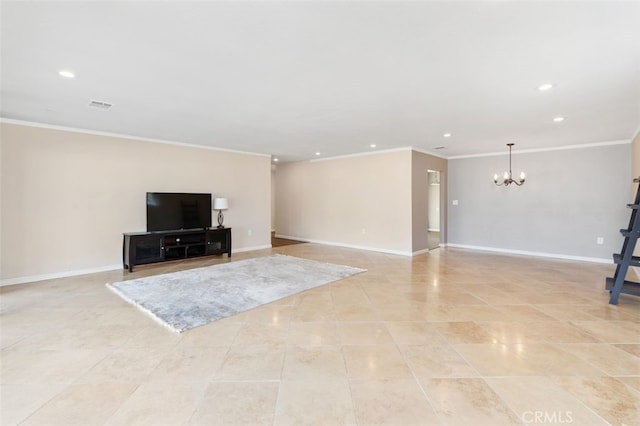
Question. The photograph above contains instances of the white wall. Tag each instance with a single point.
(361, 201)
(67, 196)
(434, 203)
(635, 173)
(570, 198)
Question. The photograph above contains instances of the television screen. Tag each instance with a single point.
(167, 211)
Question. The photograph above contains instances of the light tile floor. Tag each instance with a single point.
(452, 337)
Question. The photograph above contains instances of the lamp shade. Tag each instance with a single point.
(220, 204)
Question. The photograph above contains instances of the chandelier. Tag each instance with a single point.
(506, 177)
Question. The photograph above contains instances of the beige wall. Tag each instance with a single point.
(273, 197)
(1, 206)
(420, 164)
(67, 197)
(635, 158)
(635, 172)
(361, 201)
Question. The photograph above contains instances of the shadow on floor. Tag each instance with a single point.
(279, 242)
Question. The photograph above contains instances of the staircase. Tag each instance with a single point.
(623, 260)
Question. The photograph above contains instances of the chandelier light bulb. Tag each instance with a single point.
(508, 179)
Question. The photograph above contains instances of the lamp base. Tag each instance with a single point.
(220, 219)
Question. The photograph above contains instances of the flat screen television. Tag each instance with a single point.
(168, 211)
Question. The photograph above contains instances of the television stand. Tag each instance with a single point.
(139, 248)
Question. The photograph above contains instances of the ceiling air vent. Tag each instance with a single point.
(100, 104)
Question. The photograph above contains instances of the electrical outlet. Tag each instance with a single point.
(249, 232)
(364, 231)
(600, 241)
(454, 202)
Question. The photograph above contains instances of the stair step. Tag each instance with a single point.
(625, 232)
(628, 287)
(635, 260)
(630, 233)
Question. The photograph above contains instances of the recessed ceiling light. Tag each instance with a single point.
(66, 74)
(545, 87)
(438, 147)
(373, 145)
(558, 119)
(275, 160)
(317, 153)
(447, 135)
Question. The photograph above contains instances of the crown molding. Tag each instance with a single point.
(124, 136)
(337, 157)
(557, 148)
(422, 151)
(359, 154)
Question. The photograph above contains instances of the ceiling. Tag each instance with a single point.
(290, 79)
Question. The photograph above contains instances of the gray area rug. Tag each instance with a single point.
(195, 297)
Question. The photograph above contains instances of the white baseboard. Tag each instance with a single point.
(53, 275)
(532, 253)
(358, 247)
(64, 274)
(419, 252)
(353, 246)
(433, 230)
(243, 249)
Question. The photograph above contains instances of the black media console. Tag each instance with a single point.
(140, 248)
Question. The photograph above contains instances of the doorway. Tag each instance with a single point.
(433, 209)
